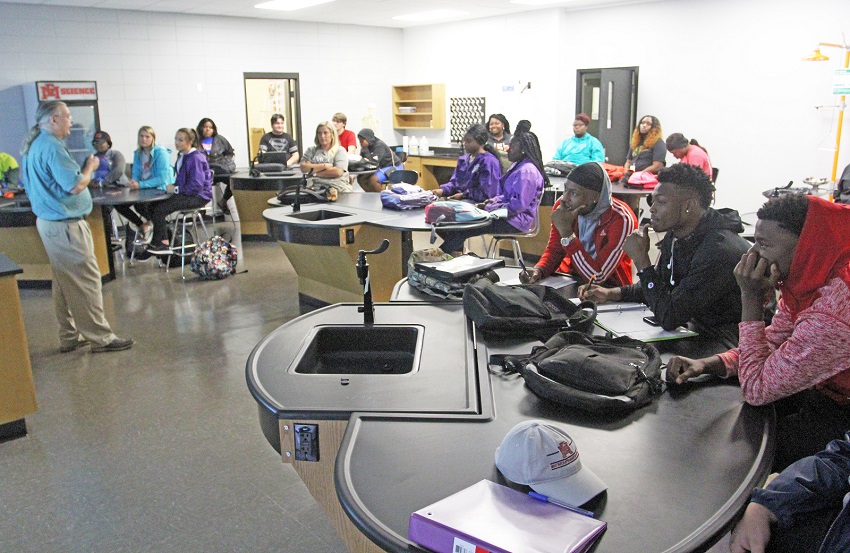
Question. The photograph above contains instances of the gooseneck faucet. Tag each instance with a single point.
(368, 309)
(296, 205)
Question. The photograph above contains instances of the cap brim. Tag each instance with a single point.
(573, 490)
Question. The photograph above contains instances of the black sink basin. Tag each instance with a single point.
(318, 215)
(358, 349)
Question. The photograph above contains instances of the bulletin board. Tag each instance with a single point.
(465, 112)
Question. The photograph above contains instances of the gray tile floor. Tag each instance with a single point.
(158, 448)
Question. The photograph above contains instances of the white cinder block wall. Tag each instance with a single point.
(727, 72)
(148, 67)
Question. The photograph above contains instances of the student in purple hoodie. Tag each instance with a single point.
(193, 187)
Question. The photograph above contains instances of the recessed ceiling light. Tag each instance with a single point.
(535, 2)
(429, 15)
(290, 5)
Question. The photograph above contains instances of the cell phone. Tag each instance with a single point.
(651, 321)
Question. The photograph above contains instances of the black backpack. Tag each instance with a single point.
(527, 311)
(598, 374)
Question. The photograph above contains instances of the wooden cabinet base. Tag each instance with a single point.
(17, 391)
(319, 478)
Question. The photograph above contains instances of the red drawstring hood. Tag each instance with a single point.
(822, 253)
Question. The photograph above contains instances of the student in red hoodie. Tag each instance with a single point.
(803, 357)
(589, 227)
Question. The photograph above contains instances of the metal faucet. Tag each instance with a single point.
(296, 205)
(368, 309)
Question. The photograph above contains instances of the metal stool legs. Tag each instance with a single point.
(191, 220)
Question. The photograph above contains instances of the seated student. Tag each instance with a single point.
(589, 227)
(375, 150)
(327, 159)
(688, 152)
(346, 137)
(582, 147)
(476, 177)
(692, 280)
(647, 151)
(519, 192)
(9, 171)
(110, 170)
(803, 357)
(219, 155)
(193, 188)
(279, 140)
(805, 508)
(500, 132)
(151, 169)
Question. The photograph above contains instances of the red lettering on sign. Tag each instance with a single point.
(49, 91)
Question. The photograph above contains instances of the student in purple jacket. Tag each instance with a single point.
(192, 188)
(477, 175)
(519, 192)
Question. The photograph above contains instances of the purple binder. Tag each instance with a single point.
(489, 518)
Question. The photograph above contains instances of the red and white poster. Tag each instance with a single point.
(66, 91)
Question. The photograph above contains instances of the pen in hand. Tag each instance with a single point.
(524, 269)
(586, 289)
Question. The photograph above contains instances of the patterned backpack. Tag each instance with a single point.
(215, 259)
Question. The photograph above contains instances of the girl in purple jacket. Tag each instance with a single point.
(519, 192)
(192, 188)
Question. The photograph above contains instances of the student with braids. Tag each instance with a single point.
(647, 148)
(519, 192)
(476, 177)
(193, 187)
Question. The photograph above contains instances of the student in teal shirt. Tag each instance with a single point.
(582, 147)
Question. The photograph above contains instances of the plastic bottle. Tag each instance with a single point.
(414, 146)
(423, 146)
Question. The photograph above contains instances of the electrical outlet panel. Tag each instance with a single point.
(307, 442)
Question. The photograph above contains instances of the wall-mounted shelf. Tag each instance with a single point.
(429, 101)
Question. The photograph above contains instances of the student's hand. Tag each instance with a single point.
(600, 294)
(458, 196)
(438, 192)
(753, 531)
(681, 369)
(636, 246)
(133, 184)
(753, 275)
(563, 219)
(530, 276)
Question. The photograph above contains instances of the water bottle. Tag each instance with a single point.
(423, 146)
(414, 146)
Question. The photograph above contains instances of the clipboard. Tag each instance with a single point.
(626, 319)
(458, 267)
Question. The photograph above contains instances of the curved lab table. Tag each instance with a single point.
(19, 239)
(251, 194)
(109, 197)
(322, 242)
(678, 471)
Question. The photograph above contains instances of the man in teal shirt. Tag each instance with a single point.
(58, 192)
(582, 147)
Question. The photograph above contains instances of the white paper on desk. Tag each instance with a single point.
(617, 306)
(555, 281)
(626, 319)
(501, 213)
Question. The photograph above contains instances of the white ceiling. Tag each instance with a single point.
(377, 13)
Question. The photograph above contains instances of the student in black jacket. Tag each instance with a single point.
(692, 280)
(376, 150)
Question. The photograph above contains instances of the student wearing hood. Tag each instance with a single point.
(692, 280)
(589, 227)
(802, 360)
(376, 150)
